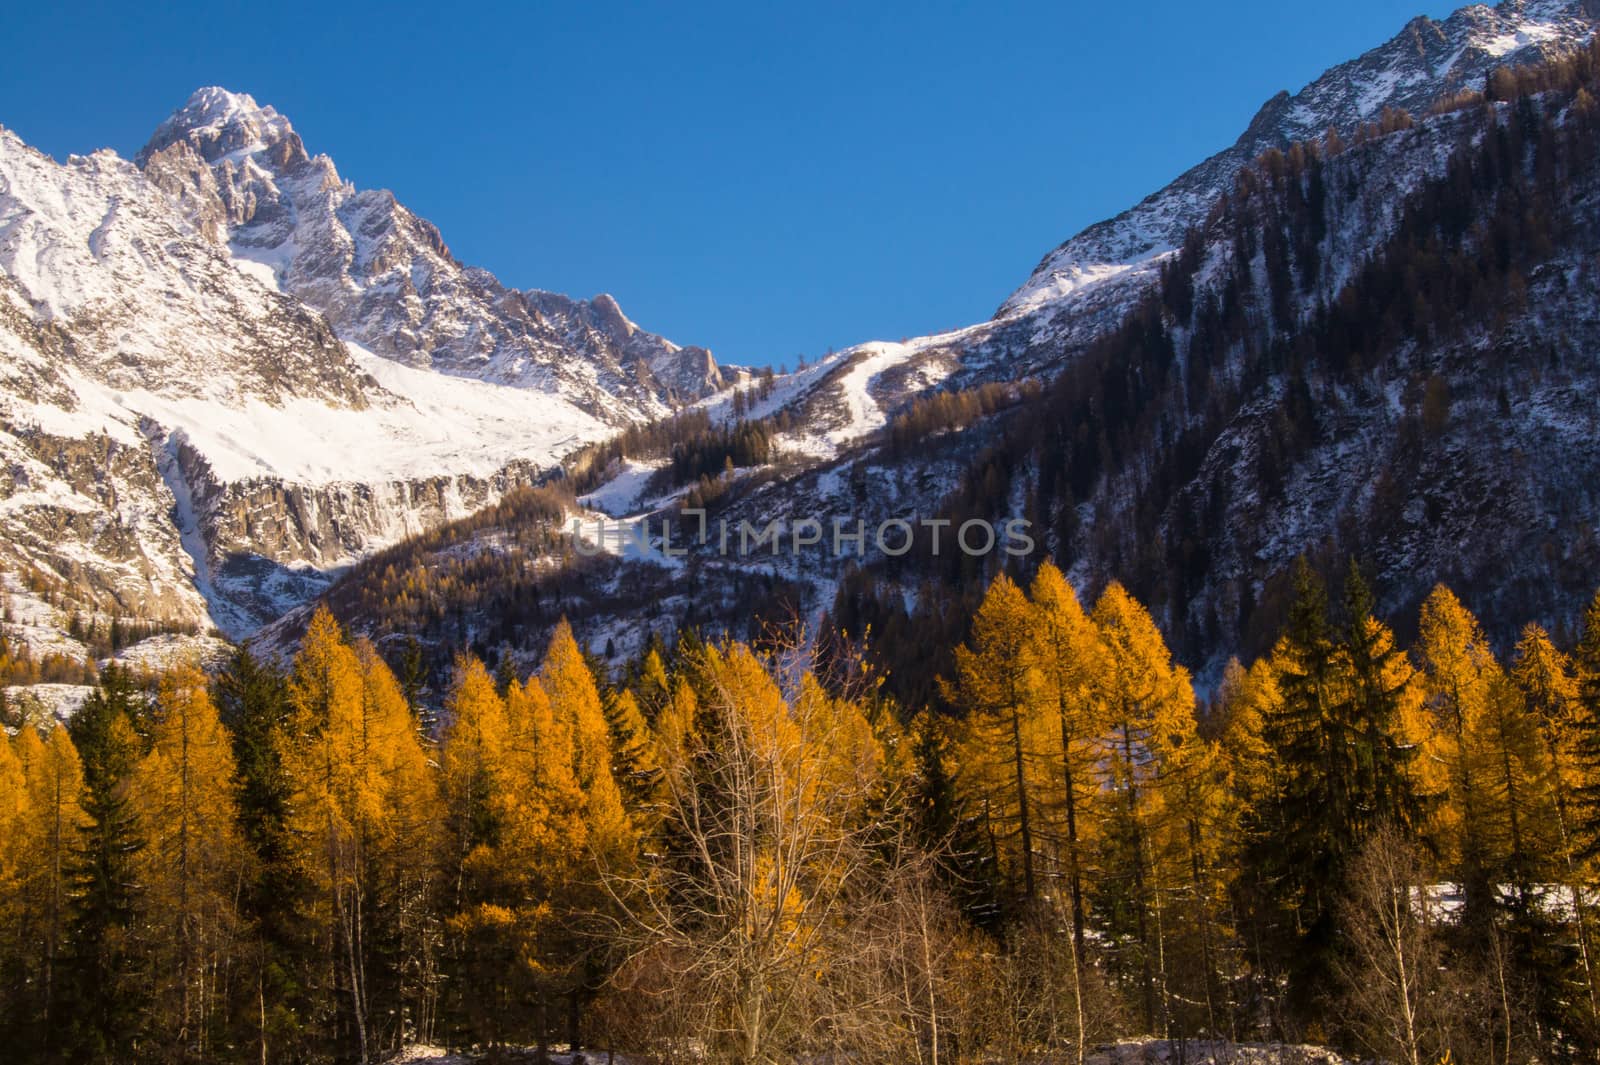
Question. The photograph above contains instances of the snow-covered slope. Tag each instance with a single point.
(227, 373)
(187, 442)
(1425, 61)
(1212, 480)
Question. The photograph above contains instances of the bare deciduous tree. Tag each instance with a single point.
(1390, 969)
(766, 906)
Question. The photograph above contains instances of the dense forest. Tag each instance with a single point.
(750, 852)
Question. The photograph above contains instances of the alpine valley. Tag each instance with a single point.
(1196, 661)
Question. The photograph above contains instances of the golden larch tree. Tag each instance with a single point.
(194, 861)
(1148, 707)
(1069, 653)
(1459, 674)
(54, 776)
(998, 680)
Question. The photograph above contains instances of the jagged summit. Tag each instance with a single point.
(190, 310)
(221, 124)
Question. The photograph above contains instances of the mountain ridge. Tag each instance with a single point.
(385, 278)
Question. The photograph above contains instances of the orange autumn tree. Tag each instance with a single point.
(1148, 709)
(193, 863)
(751, 922)
(999, 682)
(534, 815)
(14, 858)
(1461, 681)
(576, 706)
(1069, 652)
(487, 918)
(607, 842)
(515, 837)
(48, 841)
(363, 803)
(1546, 679)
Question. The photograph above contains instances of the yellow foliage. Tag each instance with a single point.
(54, 778)
(1458, 673)
(1148, 699)
(13, 826)
(363, 796)
(194, 859)
(1002, 756)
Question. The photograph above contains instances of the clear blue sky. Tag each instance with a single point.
(762, 179)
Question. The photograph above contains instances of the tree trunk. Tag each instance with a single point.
(1074, 881)
(1022, 802)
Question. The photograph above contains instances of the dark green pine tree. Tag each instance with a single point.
(1294, 844)
(412, 673)
(965, 859)
(1300, 845)
(1346, 770)
(105, 992)
(1563, 997)
(634, 760)
(933, 790)
(253, 701)
(1386, 791)
(1586, 734)
(505, 671)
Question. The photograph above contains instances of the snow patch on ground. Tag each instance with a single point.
(41, 702)
(634, 539)
(420, 1053)
(1211, 1052)
(621, 494)
(165, 651)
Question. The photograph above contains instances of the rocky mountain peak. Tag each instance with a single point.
(223, 125)
(385, 278)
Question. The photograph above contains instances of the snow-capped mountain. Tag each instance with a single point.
(1427, 60)
(385, 278)
(195, 436)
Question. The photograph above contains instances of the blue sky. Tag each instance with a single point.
(763, 179)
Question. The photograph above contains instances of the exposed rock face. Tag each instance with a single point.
(1496, 495)
(227, 373)
(1086, 285)
(270, 545)
(94, 255)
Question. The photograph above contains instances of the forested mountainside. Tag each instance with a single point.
(1382, 349)
(1281, 723)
